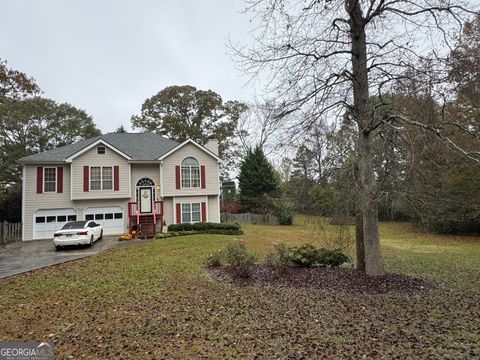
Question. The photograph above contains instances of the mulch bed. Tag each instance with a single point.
(325, 279)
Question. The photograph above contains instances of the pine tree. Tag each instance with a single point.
(257, 181)
(121, 129)
(302, 163)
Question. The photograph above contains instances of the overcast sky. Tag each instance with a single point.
(107, 56)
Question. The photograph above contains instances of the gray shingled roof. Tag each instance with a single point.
(138, 146)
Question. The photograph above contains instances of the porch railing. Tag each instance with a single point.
(134, 215)
(157, 210)
(133, 211)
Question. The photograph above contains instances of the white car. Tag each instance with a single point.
(78, 233)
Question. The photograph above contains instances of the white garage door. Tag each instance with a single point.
(47, 221)
(111, 219)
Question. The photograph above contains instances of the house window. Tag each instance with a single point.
(190, 173)
(95, 178)
(191, 213)
(196, 215)
(186, 213)
(107, 178)
(101, 178)
(50, 179)
(101, 150)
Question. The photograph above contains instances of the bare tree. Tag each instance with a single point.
(256, 126)
(325, 57)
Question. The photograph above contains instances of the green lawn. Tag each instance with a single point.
(156, 301)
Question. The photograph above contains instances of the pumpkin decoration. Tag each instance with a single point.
(125, 237)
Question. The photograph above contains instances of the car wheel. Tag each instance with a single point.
(58, 247)
(91, 240)
(101, 235)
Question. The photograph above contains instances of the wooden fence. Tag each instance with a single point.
(249, 218)
(10, 232)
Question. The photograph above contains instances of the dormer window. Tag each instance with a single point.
(100, 150)
(190, 173)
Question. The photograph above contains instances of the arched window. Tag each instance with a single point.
(145, 182)
(190, 173)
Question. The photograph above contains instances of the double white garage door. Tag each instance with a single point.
(111, 219)
(47, 221)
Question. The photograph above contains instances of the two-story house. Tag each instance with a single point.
(120, 180)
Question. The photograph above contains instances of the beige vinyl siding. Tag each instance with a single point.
(169, 211)
(73, 196)
(211, 172)
(48, 200)
(212, 209)
(91, 158)
(51, 200)
(139, 171)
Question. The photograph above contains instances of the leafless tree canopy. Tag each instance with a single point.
(303, 49)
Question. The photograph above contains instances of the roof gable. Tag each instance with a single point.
(94, 144)
(190, 141)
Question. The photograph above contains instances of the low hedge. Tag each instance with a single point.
(204, 227)
(196, 232)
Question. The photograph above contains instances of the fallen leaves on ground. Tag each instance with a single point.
(157, 301)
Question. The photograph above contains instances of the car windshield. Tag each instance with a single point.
(74, 225)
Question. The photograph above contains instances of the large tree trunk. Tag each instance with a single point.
(363, 117)
(360, 250)
(369, 207)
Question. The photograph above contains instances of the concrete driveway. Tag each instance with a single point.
(23, 256)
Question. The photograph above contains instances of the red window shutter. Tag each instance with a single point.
(177, 176)
(202, 176)
(60, 179)
(116, 179)
(204, 212)
(179, 214)
(39, 180)
(85, 178)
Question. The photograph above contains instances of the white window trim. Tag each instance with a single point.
(56, 178)
(190, 172)
(104, 150)
(191, 212)
(101, 178)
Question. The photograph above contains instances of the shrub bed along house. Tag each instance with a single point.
(204, 227)
(200, 228)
